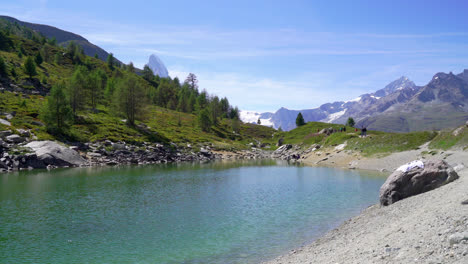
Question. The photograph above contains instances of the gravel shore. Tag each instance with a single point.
(428, 228)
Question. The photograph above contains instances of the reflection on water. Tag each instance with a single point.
(222, 212)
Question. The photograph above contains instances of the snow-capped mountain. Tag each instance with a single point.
(157, 66)
(399, 106)
(252, 117)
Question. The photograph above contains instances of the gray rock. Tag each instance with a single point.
(5, 133)
(52, 153)
(15, 139)
(37, 123)
(403, 184)
(24, 132)
(458, 237)
(280, 142)
(4, 122)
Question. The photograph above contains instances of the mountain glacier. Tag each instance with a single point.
(157, 66)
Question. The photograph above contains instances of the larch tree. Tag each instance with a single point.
(130, 99)
(56, 112)
(29, 67)
(192, 81)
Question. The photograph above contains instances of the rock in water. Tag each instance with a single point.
(405, 183)
(51, 153)
(157, 66)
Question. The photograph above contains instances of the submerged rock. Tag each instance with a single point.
(415, 178)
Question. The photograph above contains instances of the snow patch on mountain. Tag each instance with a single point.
(252, 117)
(354, 100)
(332, 117)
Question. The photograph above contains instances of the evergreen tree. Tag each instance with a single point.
(224, 104)
(29, 67)
(95, 86)
(350, 122)
(235, 125)
(5, 41)
(148, 73)
(131, 68)
(300, 120)
(202, 100)
(192, 81)
(96, 56)
(38, 59)
(45, 53)
(130, 99)
(215, 110)
(204, 121)
(234, 113)
(52, 41)
(58, 58)
(56, 112)
(77, 89)
(110, 88)
(191, 102)
(110, 61)
(3, 68)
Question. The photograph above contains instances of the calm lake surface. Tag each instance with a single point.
(190, 213)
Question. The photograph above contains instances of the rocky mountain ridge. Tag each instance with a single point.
(401, 106)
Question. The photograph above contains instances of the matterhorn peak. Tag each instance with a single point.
(157, 66)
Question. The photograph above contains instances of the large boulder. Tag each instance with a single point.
(52, 153)
(414, 178)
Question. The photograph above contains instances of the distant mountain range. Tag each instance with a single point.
(401, 106)
(63, 37)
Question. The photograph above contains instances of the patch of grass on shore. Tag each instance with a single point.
(380, 142)
(446, 140)
(308, 133)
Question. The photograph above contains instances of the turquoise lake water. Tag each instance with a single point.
(192, 213)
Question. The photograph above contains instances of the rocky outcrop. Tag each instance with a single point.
(52, 153)
(415, 178)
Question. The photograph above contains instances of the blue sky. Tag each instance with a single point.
(264, 55)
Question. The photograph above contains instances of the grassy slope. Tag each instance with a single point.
(162, 125)
(375, 143)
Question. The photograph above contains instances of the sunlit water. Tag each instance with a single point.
(212, 213)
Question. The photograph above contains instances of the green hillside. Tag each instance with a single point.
(376, 142)
(108, 101)
(62, 37)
